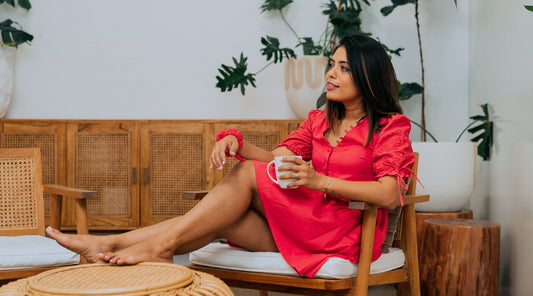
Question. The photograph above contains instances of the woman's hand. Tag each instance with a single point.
(228, 144)
(303, 172)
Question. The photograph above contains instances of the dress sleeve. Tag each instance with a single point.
(300, 141)
(393, 154)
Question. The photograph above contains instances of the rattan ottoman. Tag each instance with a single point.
(149, 278)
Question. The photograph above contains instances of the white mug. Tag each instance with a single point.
(277, 163)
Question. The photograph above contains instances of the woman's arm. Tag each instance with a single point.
(230, 144)
(383, 192)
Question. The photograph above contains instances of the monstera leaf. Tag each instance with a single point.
(483, 133)
(270, 5)
(272, 49)
(11, 35)
(233, 77)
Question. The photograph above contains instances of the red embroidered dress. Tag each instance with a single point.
(308, 228)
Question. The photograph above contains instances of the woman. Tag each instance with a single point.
(359, 148)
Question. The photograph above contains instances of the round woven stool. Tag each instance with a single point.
(162, 279)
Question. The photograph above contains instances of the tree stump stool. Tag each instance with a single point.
(421, 227)
(461, 257)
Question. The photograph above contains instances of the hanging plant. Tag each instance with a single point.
(11, 34)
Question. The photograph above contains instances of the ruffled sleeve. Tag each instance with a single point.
(300, 141)
(393, 154)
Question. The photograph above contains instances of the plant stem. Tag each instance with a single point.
(424, 131)
(264, 67)
(423, 98)
(287, 23)
(457, 140)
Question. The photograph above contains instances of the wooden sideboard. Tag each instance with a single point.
(139, 168)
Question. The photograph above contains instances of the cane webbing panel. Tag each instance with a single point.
(47, 142)
(176, 166)
(103, 165)
(266, 140)
(18, 202)
(160, 279)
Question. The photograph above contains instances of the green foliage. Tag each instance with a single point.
(483, 133)
(11, 34)
(395, 3)
(271, 5)
(407, 90)
(529, 7)
(345, 19)
(309, 47)
(233, 77)
(272, 49)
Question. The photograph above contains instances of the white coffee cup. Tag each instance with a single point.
(278, 161)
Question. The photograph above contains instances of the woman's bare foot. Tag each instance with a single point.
(141, 252)
(89, 246)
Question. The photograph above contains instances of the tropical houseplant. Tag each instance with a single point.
(444, 164)
(11, 35)
(343, 19)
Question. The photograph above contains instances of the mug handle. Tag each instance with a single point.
(268, 172)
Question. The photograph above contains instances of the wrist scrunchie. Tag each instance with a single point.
(232, 132)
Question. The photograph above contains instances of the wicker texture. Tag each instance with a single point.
(175, 168)
(160, 279)
(103, 165)
(47, 143)
(18, 206)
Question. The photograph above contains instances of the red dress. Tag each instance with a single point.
(308, 228)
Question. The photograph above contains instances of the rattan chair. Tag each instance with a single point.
(24, 249)
(406, 275)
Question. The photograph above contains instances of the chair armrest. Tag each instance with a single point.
(408, 199)
(68, 191)
(194, 195)
(79, 197)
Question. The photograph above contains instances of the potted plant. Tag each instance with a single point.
(11, 35)
(447, 169)
(343, 19)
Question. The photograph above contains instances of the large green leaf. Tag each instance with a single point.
(309, 47)
(12, 36)
(529, 7)
(386, 10)
(233, 77)
(270, 5)
(408, 89)
(22, 3)
(272, 50)
(482, 131)
(346, 20)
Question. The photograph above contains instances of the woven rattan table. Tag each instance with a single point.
(160, 279)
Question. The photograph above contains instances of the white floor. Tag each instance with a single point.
(388, 290)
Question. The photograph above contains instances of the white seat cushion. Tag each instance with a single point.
(221, 255)
(32, 251)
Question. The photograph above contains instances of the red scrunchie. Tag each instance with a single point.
(232, 132)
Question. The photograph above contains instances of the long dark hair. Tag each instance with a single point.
(374, 75)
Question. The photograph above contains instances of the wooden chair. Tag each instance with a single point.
(407, 276)
(22, 214)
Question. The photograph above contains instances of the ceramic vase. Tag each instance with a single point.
(304, 82)
(447, 171)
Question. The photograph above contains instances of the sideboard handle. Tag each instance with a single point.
(134, 175)
(145, 176)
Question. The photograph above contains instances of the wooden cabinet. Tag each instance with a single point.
(139, 168)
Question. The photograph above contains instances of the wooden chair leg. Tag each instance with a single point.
(365, 257)
(409, 230)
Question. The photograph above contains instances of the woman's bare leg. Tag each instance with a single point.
(221, 208)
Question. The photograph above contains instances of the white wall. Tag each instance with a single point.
(158, 59)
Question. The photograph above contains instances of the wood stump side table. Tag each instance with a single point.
(461, 257)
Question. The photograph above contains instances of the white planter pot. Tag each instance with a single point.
(304, 82)
(447, 171)
(7, 56)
